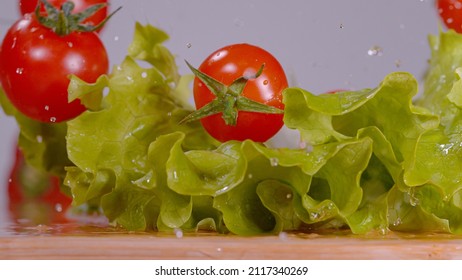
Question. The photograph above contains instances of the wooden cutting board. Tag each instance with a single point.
(211, 246)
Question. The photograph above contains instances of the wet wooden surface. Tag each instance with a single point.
(211, 246)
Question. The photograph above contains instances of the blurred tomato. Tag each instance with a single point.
(35, 196)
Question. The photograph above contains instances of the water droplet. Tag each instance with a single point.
(58, 207)
(414, 201)
(39, 138)
(289, 196)
(274, 162)
(47, 108)
(342, 26)
(41, 37)
(375, 51)
(53, 119)
(116, 38)
(144, 75)
(70, 44)
(283, 236)
(250, 176)
(383, 230)
(175, 175)
(178, 233)
(188, 45)
(397, 222)
(33, 29)
(19, 71)
(265, 82)
(219, 250)
(449, 20)
(398, 63)
(314, 216)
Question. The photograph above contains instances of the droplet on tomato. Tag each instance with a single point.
(52, 119)
(58, 207)
(47, 108)
(70, 44)
(265, 82)
(19, 71)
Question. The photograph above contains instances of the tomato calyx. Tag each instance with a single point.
(63, 21)
(228, 99)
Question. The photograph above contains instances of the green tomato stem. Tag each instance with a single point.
(63, 22)
(229, 99)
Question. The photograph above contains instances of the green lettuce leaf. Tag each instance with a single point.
(371, 160)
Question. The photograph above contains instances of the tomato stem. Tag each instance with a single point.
(63, 22)
(229, 99)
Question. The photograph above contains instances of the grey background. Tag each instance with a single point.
(322, 44)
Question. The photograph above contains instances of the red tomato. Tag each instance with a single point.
(450, 12)
(35, 64)
(230, 63)
(28, 6)
(34, 195)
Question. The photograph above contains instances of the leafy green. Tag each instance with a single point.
(371, 160)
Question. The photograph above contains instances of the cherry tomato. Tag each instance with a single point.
(450, 12)
(34, 195)
(35, 64)
(230, 63)
(28, 6)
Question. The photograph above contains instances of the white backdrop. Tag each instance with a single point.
(322, 44)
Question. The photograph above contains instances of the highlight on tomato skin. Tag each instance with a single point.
(28, 6)
(35, 196)
(230, 63)
(450, 12)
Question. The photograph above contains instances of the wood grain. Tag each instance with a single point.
(146, 246)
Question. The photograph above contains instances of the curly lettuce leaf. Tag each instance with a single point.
(373, 159)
